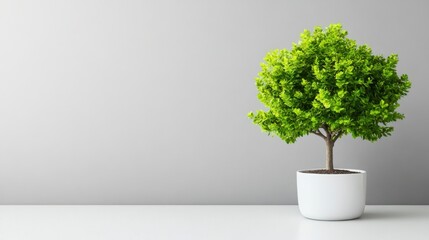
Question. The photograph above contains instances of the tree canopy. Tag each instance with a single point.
(328, 81)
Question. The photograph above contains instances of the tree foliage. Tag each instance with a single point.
(328, 81)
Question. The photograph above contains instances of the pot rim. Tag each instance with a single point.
(359, 171)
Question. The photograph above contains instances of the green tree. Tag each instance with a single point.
(329, 86)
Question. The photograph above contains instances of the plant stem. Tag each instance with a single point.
(330, 138)
(329, 155)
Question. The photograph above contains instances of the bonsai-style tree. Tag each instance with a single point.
(329, 86)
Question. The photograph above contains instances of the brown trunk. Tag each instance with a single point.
(329, 154)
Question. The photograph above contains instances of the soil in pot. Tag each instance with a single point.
(324, 171)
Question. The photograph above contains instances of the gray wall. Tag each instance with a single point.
(145, 102)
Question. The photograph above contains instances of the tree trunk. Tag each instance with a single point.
(329, 154)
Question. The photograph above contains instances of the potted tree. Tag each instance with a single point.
(329, 86)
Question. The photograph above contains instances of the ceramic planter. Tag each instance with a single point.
(331, 196)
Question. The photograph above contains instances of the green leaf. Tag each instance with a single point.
(342, 93)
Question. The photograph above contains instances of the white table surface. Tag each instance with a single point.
(153, 222)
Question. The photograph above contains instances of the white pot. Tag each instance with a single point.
(331, 196)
